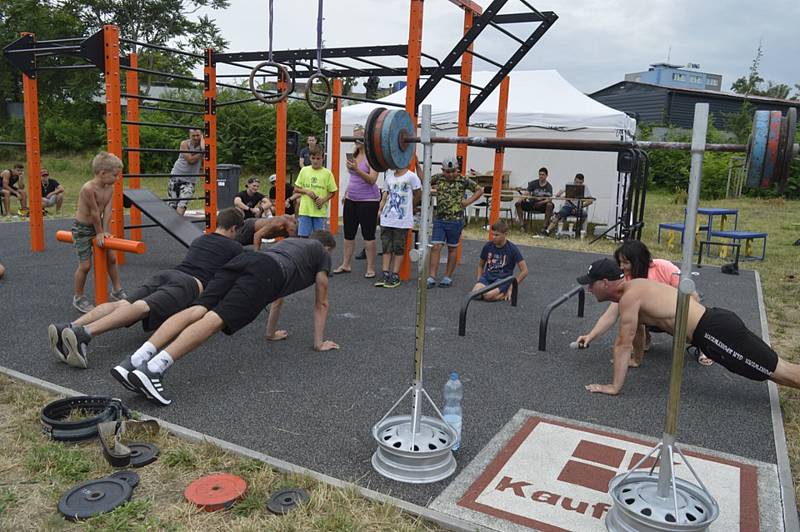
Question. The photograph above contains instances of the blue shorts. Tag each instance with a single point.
(486, 281)
(447, 232)
(308, 224)
(569, 210)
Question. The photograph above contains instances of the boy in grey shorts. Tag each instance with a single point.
(402, 192)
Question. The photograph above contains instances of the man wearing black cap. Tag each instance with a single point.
(718, 333)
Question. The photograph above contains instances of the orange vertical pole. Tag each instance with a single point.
(336, 148)
(134, 163)
(210, 139)
(463, 102)
(412, 81)
(114, 124)
(499, 153)
(100, 256)
(280, 150)
(30, 91)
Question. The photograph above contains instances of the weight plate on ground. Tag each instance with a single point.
(398, 129)
(771, 155)
(788, 142)
(283, 501)
(376, 141)
(757, 148)
(142, 453)
(215, 492)
(386, 138)
(94, 497)
(368, 143)
(131, 477)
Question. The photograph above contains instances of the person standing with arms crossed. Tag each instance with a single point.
(185, 171)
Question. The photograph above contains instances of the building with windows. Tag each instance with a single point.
(677, 76)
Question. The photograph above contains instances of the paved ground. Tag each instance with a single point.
(317, 409)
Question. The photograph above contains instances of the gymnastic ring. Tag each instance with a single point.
(328, 91)
(283, 71)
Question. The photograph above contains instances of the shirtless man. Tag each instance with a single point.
(718, 333)
(12, 186)
(253, 230)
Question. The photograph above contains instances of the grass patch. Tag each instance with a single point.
(52, 459)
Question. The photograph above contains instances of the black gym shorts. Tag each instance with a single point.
(529, 205)
(363, 213)
(723, 337)
(242, 288)
(166, 292)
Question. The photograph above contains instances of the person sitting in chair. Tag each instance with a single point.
(537, 199)
(571, 207)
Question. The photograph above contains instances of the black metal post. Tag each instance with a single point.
(545, 318)
(469, 298)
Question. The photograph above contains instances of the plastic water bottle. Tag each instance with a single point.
(453, 393)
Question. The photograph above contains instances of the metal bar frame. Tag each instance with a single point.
(163, 125)
(336, 134)
(545, 317)
(146, 176)
(65, 67)
(472, 296)
(133, 149)
(289, 56)
(137, 96)
(281, 120)
(210, 134)
(162, 74)
(171, 110)
(162, 48)
(499, 155)
(30, 92)
(114, 139)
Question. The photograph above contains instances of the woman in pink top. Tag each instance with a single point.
(637, 263)
(361, 202)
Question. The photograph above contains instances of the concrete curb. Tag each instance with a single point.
(790, 517)
(441, 519)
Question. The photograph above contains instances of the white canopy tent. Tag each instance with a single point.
(541, 104)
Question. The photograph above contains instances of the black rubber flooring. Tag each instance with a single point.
(317, 409)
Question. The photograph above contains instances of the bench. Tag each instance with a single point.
(675, 226)
(748, 237)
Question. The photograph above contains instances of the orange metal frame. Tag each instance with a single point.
(497, 176)
(463, 102)
(210, 158)
(30, 90)
(336, 150)
(114, 124)
(280, 149)
(134, 162)
(100, 259)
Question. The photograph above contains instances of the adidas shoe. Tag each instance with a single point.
(76, 340)
(54, 331)
(82, 304)
(151, 384)
(122, 372)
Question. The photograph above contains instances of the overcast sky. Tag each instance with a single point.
(593, 43)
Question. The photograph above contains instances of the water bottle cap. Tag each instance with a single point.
(454, 376)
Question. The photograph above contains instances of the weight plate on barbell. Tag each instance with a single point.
(396, 127)
(281, 502)
(368, 127)
(142, 453)
(757, 148)
(376, 140)
(771, 155)
(94, 497)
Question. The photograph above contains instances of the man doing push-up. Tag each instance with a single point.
(718, 333)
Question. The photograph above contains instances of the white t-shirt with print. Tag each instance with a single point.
(398, 211)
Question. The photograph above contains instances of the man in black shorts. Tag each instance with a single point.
(236, 295)
(162, 295)
(255, 229)
(719, 333)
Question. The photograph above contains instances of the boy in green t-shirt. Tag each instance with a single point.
(316, 186)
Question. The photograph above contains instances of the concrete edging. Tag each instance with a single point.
(441, 519)
(790, 517)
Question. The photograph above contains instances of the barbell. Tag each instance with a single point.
(390, 136)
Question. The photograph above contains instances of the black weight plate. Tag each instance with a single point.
(131, 477)
(142, 453)
(94, 497)
(283, 501)
(791, 131)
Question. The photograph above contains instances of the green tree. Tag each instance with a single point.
(749, 84)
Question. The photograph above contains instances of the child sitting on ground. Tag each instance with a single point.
(316, 186)
(403, 191)
(92, 219)
(499, 257)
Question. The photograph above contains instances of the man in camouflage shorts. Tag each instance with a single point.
(448, 220)
(185, 171)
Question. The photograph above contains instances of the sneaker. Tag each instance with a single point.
(122, 372)
(76, 339)
(22, 212)
(118, 295)
(392, 282)
(446, 282)
(431, 282)
(54, 331)
(151, 384)
(386, 278)
(545, 232)
(82, 303)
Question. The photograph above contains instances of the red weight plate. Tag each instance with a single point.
(376, 141)
(773, 143)
(216, 492)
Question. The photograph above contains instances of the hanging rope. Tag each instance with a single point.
(319, 105)
(281, 70)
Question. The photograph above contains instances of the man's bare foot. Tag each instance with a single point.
(631, 363)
